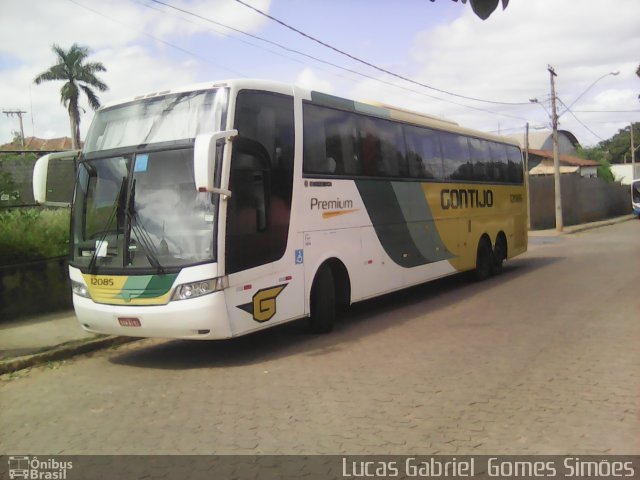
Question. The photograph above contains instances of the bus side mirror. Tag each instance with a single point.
(207, 161)
(54, 177)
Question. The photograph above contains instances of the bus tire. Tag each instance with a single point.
(484, 259)
(322, 302)
(499, 255)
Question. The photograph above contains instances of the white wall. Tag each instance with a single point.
(623, 174)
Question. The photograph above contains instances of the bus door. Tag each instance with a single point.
(266, 283)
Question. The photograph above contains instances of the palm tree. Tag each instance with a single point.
(77, 75)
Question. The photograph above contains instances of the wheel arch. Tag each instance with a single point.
(341, 278)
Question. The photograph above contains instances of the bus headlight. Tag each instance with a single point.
(80, 289)
(198, 289)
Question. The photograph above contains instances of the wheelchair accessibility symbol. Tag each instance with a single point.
(299, 257)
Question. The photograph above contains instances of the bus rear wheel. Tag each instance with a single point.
(484, 260)
(323, 302)
(499, 255)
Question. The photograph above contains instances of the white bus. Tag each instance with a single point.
(635, 197)
(218, 210)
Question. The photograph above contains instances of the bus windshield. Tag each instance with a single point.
(142, 211)
(136, 206)
(158, 119)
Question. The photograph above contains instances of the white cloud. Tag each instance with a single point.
(121, 36)
(505, 58)
(310, 80)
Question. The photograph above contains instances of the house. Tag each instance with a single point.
(543, 140)
(543, 161)
(34, 144)
(16, 169)
(541, 154)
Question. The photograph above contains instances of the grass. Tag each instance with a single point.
(28, 234)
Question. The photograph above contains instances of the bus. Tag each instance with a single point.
(218, 210)
(635, 196)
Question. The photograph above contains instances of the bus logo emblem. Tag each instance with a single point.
(263, 304)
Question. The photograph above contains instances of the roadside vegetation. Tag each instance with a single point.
(28, 234)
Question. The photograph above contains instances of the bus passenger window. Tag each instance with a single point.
(330, 141)
(514, 166)
(481, 159)
(423, 152)
(382, 148)
(455, 154)
(499, 162)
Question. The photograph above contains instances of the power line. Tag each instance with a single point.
(226, 35)
(567, 109)
(364, 75)
(369, 64)
(606, 111)
(279, 45)
(176, 47)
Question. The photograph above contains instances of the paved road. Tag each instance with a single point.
(543, 359)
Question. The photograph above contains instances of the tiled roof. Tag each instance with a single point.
(566, 159)
(39, 144)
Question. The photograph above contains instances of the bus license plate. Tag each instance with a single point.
(129, 322)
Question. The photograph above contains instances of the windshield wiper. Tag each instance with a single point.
(142, 235)
(103, 233)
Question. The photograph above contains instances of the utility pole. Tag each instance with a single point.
(556, 155)
(633, 157)
(11, 113)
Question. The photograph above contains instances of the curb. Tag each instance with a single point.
(603, 223)
(568, 230)
(62, 352)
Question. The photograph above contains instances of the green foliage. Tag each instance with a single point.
(9, 189)
(28, 234)
(619, 146)
(600, 156)
(9, 193)
(22, 157)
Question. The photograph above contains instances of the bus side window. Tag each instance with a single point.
(499, 162)
(456, 159)
(330, 141)
(514, 167)
(423, 152)
(342, 143)
(382, 148)
(481, 159)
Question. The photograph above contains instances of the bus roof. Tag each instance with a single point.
(373, 108)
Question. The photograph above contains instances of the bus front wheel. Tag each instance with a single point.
(323, 302)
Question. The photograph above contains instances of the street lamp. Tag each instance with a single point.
(614, 73)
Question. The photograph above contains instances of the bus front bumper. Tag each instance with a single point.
(202, 318)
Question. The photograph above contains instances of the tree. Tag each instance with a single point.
(599, 155)
(619, 146)
(72, 68)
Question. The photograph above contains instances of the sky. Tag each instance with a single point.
(440, 45)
